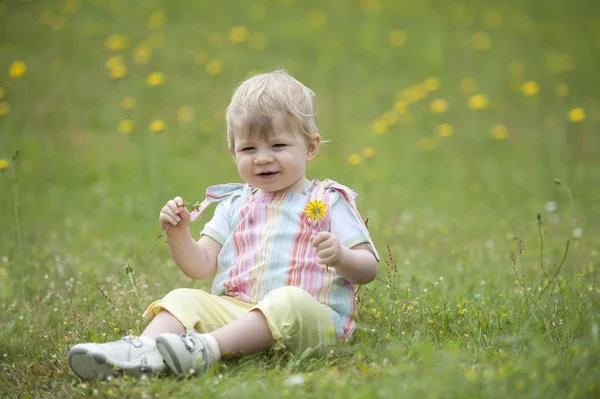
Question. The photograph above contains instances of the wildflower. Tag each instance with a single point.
(562, 90)
(315, 210)
(530, 88)
(439, 105)
(185, 113)
(30, 331)
(499, 132)
(17, 69)
(126, 126)
(368, 152)
(468, 85)
(238, 34)
(127, 103)
(156, 20)
(4, 107)
(445, 130)
(577, 114)
(379, 126)
(481, 41)
(118, 71)
(400, 107)
(578, 232)
(157, 126)
(116, 42)
(65, 322)
(354, 159)
(142, 54)
(113, 62)
(397, 37)
(214, 67)
(550, 206)
(155, 79)
(477, 101)
(116, 329)
(316, 18)
(259, 41)
(431, 84)
(430, 322)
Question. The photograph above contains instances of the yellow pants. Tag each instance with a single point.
(297, 321)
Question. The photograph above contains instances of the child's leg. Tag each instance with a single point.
(163, 322)
(248, 334)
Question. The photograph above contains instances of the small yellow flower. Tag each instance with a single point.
(157, 126)
(238, 34)
(530, 88)
(368, 152)
(113, 62)
(398, 37)
(142, 54)
(477, 101)
(30, 331)
(155, 79)
(214, 67)
(577, 114)
(259, 41)
(116, 329)
(481, 41)
(316, 18)
(439, 105)
(17, 69)
(118, 71)
(116, 42)
(185, 113)
(468, 85)
(431, 84)
(562, 90)
(128, 103)
(354, 159)
(400, 107)
(3, 163)
(445, 130)
(315, 210)
(499, 132)
(126, 126)
(65, 323)
(380, 126)
(4, 107)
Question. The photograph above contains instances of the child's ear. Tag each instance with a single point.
(313, 147)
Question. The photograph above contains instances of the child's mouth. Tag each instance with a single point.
(267, 175)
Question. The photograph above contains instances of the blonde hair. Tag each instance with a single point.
(260, 98)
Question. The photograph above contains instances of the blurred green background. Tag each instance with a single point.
(451, 120)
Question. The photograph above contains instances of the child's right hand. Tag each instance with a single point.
(174, 217)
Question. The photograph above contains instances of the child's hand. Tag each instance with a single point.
(328, 248)
(174, 217)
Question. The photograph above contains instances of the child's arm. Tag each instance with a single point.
(196, 259)
(358, 264)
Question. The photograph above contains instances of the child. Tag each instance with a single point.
(287, 251)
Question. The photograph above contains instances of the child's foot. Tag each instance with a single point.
(187, 354)
(129, 355)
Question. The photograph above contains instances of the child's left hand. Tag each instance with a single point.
(328, 249)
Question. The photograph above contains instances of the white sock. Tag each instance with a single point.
(214, 346)
(147, 340)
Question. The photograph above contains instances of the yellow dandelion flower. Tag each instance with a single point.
(116, 42)
(238, 34)
(156, 39)
(493, 18)
(126, 126)
(30, 331)
(259, 41)
(481, 41)
(499, 132)
(562, 90)
(155, 79)
(431, 84)
(116, 329)
(315, 210)
(577, 114)
(156, 20)
(127, 103)
(468, 85)
(113, 62)
(118, 71)
(400, 107)
(418, 92)
(214, 67)
(379, 126)
(530, 88)
(354, 159)
(427, 144)
(397, 37)
(4, 107)
(445, 130)
(185, 113)
(3, 163)
(368, 152)
(157, 126)
(142, 54)
(1, 93)
(478, 101)
(316, 18)
(439, 105)
(17, 69)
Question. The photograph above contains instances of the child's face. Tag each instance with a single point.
(276, 163)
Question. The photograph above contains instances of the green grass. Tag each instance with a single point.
(452, 316)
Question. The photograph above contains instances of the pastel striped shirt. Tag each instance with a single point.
(266, 244)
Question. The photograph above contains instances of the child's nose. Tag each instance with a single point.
(263, 158)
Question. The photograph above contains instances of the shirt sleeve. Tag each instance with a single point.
(219, 227)
(346, 227)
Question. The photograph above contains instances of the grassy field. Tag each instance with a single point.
(452, 120)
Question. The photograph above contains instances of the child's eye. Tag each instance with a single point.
(247, 149)
(280, 145)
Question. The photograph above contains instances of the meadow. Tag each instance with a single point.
(469, 129)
